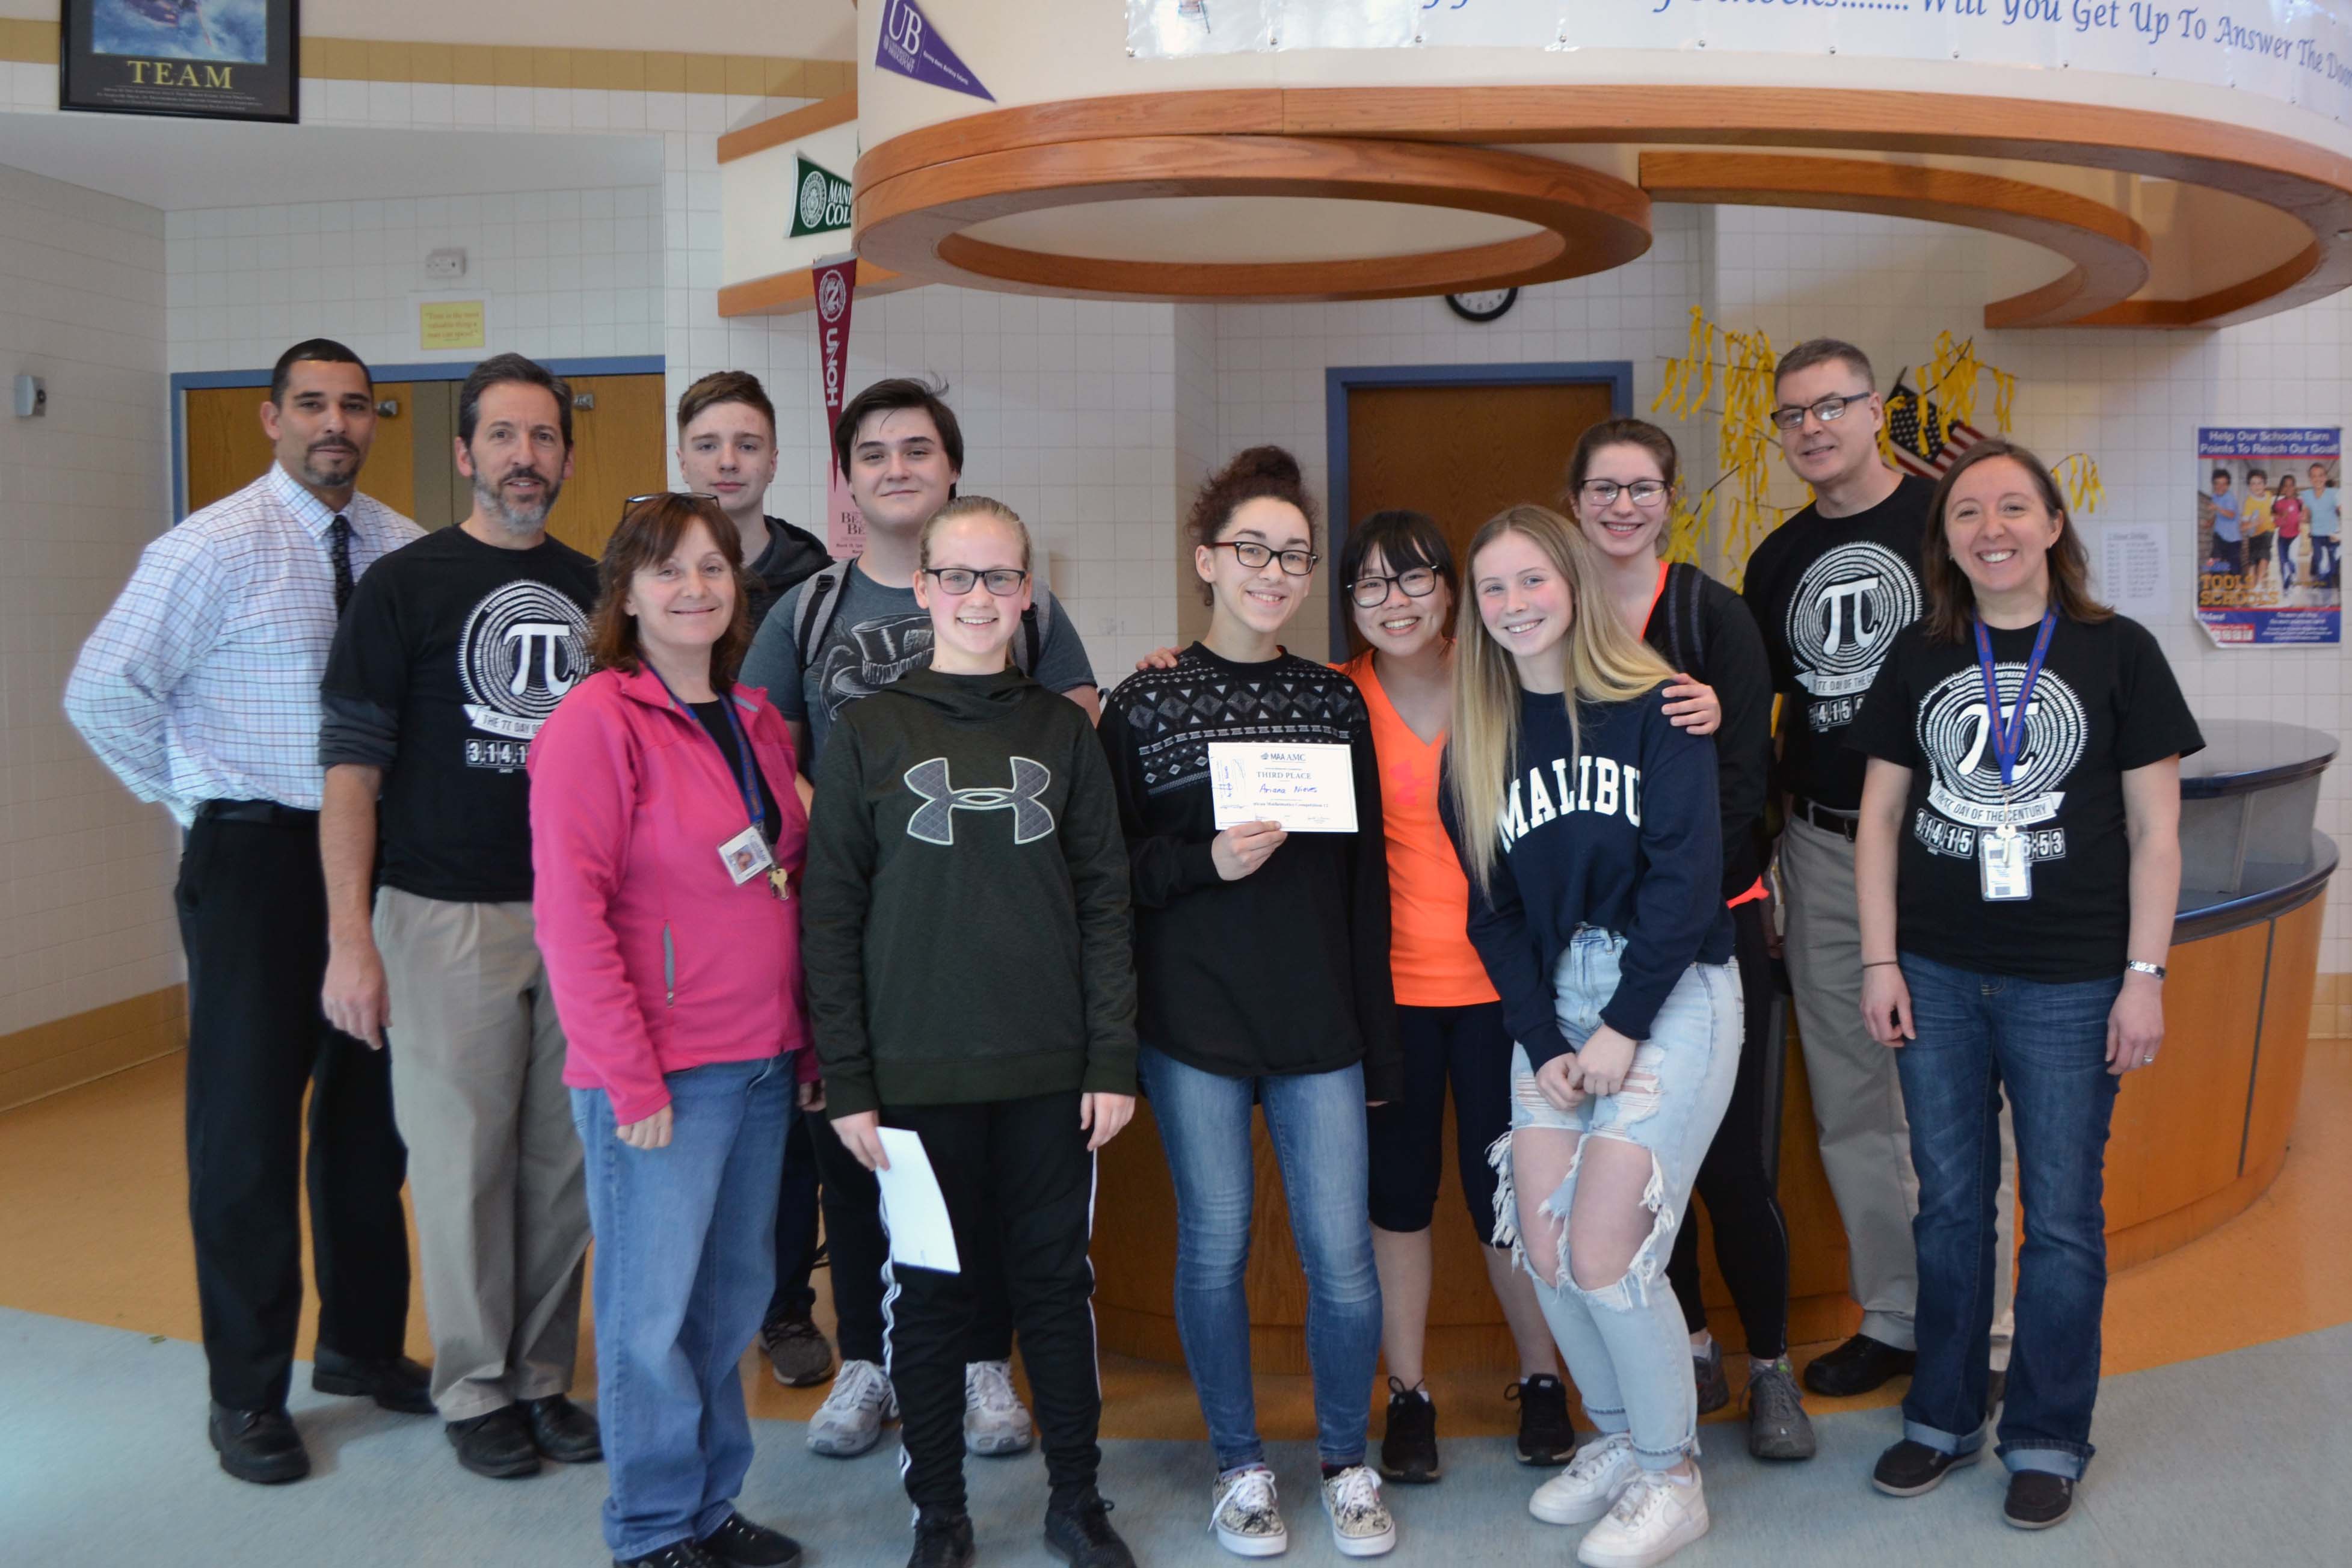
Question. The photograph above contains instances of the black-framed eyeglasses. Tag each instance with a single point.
(666, 495)
(1369, 593)
(1828, 409)
(1253, 554)
(1602, 492)
(1004, 581)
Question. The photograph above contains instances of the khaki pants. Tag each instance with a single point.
(1865, 1142)
(494, 1166)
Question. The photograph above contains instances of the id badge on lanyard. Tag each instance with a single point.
(747, 854)
(2004, 855)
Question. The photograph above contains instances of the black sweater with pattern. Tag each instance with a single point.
(1286, 970)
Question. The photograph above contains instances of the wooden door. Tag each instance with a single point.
(619, 449)
(1464, 453)
(226, 449)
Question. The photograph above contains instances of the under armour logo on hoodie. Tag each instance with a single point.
(934, 821)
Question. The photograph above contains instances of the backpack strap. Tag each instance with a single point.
(1035, 622)
(1692, 638)
(820, 597)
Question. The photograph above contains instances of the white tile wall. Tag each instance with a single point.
(85, 871)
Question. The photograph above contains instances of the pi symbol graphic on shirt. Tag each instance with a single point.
(934, 820)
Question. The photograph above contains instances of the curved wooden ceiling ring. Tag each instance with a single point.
(2309, 182)
(2110, 252)
(1587, 221)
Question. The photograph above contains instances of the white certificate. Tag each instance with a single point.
(914, 1210)
(1308, 788)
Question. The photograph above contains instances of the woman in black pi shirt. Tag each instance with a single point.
(2018, 863)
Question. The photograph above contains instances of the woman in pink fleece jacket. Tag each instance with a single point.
(668, 826)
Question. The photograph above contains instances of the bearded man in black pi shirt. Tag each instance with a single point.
(455, 650)
(1830, 589)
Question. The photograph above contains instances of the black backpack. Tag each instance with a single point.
(1683, 601)
(821, 596)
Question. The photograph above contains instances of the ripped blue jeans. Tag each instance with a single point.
(1625, 1342)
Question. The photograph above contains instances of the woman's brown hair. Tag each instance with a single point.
(1260, 473)
(649, 533)
(1952, 597)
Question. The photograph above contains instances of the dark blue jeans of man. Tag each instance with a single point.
(2045, 1045)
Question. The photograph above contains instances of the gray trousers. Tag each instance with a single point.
(1865, 1142)
(494, 1166)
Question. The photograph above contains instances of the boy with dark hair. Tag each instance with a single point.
(727, 448)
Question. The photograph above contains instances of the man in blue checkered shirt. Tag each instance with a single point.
(200, 689)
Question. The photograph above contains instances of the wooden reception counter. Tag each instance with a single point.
(2195, 1140)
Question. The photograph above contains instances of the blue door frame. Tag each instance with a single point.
(430, 370)
(1338, 380)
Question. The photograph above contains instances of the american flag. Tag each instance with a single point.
(1910, 422)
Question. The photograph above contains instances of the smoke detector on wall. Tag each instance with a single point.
(449, 263)
(32, 397)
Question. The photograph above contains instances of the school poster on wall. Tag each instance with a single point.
(2269, 529)
(205, 59)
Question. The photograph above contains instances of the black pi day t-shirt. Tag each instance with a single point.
(462, 649)
(1830, 594)
(2106, 703)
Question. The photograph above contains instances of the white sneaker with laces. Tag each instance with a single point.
(1585, 1490)
(1360, 1523)
(994, 1424)
(850, 1420)
(1652, 1518)
(1245, 1519)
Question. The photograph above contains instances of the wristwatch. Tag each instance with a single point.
(2135, 966)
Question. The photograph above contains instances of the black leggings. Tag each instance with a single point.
(1736, 1179)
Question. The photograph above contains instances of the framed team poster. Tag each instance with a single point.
(204, 59)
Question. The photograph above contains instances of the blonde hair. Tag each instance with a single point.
(973, 506)
(1601, 663)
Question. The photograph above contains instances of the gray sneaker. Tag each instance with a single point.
(797, 1351)
(850, 1420)
(1777, 1428)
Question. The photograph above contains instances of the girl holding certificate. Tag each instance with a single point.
(971, 981)
(1262, 964)
(1588, 823)
(2018, 863)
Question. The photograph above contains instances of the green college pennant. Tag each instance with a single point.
(820, 199)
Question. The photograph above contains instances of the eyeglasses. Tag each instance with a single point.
(1601, 493)
(1369, 593)
(1004, 581)
(1251, 554)
(1828, 409)
(635, 501)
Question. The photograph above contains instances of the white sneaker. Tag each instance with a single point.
(994, 1424)
(1245, 1521)
(1655, 1518)
(1591, 1482)
(1360, 1524)
(850, 1420)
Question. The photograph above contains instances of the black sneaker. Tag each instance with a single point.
(942, 1541)
(1714, 1389)
(1857, 1366)
(2038, 1500)
(1909, 1469)
(676, 1554)
(744, 1544)
(1546, 1437)
(797, 1351)
(258, 1446)
(1079, 1533)
(1409, 1444)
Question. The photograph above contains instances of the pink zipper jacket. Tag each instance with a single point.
(658, 960)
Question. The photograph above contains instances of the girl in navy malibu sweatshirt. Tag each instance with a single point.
(1589, 825)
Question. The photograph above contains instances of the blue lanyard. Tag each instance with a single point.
(2008, 738)
(747, 777)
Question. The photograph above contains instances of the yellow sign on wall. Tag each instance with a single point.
(447, 324)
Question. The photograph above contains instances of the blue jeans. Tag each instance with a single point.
(1317, 1123)
(1624, 1342)
(685, 1260)
(2046, 1045)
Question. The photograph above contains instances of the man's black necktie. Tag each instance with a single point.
(340, 533)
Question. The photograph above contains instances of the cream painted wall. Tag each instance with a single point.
(85, 871)
(804, 29)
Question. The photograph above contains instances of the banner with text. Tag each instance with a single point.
(837, 286)
(2268, 526)
(2296, 50)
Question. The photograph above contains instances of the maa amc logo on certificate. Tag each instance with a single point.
(522, 648)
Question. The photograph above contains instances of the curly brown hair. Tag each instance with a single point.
(1259, 472)
(650, 533)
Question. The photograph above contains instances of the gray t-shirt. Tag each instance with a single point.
(878, 635)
